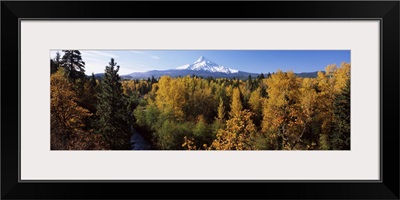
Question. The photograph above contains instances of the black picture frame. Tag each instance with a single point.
(386, 11)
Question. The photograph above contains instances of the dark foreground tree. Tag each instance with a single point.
(340, 138)
(113, 122)
(73, 64)
(55, 63)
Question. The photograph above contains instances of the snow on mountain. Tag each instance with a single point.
(183, 67)
(203, 64)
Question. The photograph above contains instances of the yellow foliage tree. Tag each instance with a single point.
(170, 96)
(238, 133)
(330, 84)
(342, 74)
(221, 111)
(326, 82)
(236, 106)
(256, 105)
(67, 118)
(282, 112)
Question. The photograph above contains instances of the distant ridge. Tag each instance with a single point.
(307, 74)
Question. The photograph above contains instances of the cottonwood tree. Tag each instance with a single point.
(67, 117)
(238, 135)
(256, 105)
(239, 130)
(281, 114)
(220, 119)
(236, 105)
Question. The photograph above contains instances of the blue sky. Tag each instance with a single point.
(256, 61)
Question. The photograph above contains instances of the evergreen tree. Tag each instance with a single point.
(73, 64)
(249, 78)
(93, 82)
(262, 76)
(340, 138)
(57, 59)
(53, 67)
(113, 122)
(250, 83)
(55, 63)
(89, 96)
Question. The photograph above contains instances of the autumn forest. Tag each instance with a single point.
(272, 111)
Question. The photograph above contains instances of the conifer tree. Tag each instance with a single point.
(55, 63)
(113, 122)
(93, 82)
(88, 98)
(53, 67)
(262, 76)
(340, 138)
(57, 59)
(73, 64)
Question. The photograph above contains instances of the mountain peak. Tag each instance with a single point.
(204, 64)
(201, 59)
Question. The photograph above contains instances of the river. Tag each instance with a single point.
(138, 142)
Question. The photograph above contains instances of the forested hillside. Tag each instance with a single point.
(279, 111)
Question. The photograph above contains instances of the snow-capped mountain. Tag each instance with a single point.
(201, 68)
(203, 64)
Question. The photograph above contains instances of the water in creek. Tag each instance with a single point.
(139, 143)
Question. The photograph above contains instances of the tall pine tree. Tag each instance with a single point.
(113, 119)
(340, 138)
(55, 63)
(73, 64)
(57, 58)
